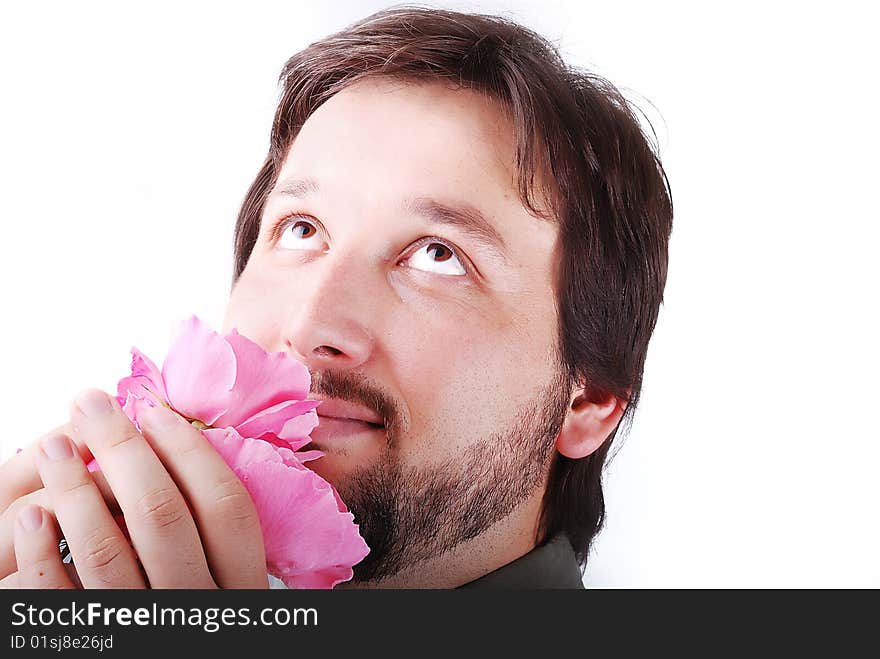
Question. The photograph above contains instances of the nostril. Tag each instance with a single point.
(327, 351)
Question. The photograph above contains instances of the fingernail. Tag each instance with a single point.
(94, 403)
(161, 417)
(31, 517)
(57, 447)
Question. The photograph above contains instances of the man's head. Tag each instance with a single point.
(465, 242)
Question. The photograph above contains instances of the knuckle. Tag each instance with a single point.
(161, 508)
(128, 435)
(234, 507)
(75, 487)
(100, 551)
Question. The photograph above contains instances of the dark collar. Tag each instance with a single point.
(551, 565)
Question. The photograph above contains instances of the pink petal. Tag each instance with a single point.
(290, 458)
(236, 450)
(145, 380)
(310, 542)
(134, 406)
(297, 430)
(263, 380)
(199, 372)
(340, 504)
(295, 433)
(274, 420)
(305, 456)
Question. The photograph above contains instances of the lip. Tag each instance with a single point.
(332, 430)
(343, 411)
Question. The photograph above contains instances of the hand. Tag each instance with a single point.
(192, 523)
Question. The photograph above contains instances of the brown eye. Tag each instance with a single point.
(440, 252)
(300, 234)
(303, 230)
(438, 258)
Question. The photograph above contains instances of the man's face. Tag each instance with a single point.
(396, 260)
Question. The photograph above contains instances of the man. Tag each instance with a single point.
(466, 243)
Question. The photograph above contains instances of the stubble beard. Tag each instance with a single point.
(408, 515)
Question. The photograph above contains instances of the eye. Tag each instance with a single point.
(434, 256)
(298, 233)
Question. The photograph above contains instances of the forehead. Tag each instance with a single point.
(394, 136)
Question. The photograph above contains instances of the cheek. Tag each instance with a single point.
(250, 308)
(463, 377)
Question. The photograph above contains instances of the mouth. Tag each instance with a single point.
(342, 423)
(349, 422)
(338, 435)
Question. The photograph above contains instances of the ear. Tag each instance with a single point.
(589, 421)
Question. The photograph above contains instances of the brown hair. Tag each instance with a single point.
(580, 149)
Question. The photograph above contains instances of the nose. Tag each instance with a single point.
(328, 324)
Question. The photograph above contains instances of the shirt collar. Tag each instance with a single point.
(551, 565)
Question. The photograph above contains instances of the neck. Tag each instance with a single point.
(500, 544)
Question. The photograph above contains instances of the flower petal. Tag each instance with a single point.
(305, 456)
(263, 380)
(274, 420)
(199, 372)
(297, 430)
(311, 542)
(145, 380)
(237, 451)
(134, 406)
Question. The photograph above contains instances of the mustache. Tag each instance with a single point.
(358, 388)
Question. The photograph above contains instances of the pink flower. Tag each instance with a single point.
(251, 405)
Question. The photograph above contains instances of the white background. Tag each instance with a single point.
(128, 138)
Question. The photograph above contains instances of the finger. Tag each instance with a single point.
(161, 527)
(40, 498)
(101, 553)
(7, 528)
(18, 475)
(36, 551)
(224, 511)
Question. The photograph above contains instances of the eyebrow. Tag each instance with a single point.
(464, 217)
(300, 187)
